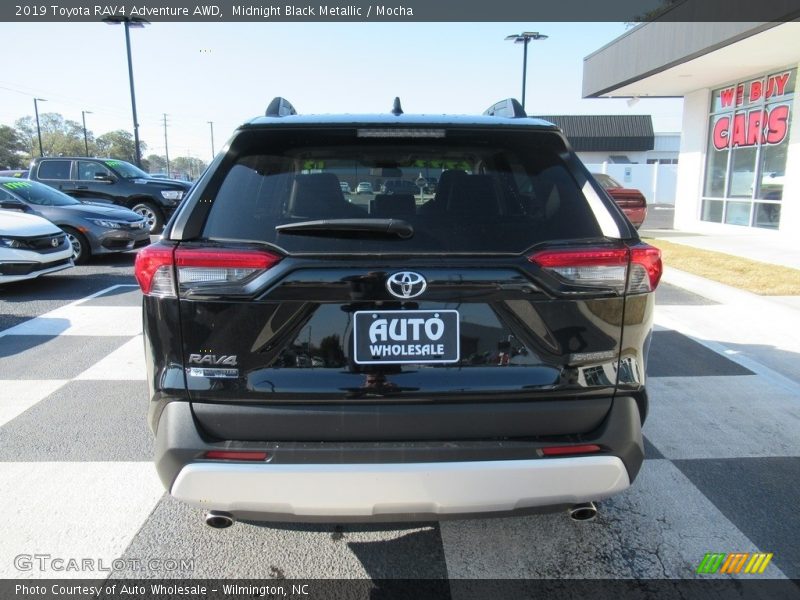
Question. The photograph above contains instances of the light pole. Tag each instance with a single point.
(523, 38)
(212, 140)
(38, 128)
(85, 139)
(129, 22)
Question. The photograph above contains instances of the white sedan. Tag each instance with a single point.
(31, 246)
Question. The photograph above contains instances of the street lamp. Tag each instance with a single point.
(524, 38)
(38, 128)
(131, 22)
(213, 154)
(85, 139)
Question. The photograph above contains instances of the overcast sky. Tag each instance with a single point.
(228, 72)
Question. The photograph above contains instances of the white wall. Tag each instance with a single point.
(790, 209)
(694, 137)
(656, 182)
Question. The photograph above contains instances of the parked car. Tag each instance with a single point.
(630, 200)
(30, 246)
(483, 352)
(365, 187)
(114, 181)
(14, 173)
(92, 228)
(345, 187)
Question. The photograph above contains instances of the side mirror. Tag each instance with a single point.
(14, 205)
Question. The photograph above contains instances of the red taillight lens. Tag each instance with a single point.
(604, 267)
(196, 267)
(567, 450)
(594, 267)
(235, 455)
(153, 270)
(646, 268)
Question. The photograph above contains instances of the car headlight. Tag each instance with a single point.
(172, 194)
(107, 224)
(9, 243)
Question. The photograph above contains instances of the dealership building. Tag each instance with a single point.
(739, 163)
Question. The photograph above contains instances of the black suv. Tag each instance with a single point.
(115, 181)
(397, 356)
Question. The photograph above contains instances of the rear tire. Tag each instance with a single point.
(151, 214)
(81, 252)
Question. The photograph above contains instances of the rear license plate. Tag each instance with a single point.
(406, 336)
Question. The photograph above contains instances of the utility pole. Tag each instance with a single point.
(166, 146)
(38, 127)
(213, 154)
(85, 138)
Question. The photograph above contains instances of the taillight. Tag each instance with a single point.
(236, 455)
(646, 268)
(153, 271)
(605, 267)
(596, 267)
(197, 267)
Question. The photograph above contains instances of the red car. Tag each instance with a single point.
(631, 201)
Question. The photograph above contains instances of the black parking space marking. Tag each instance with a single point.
(650, 451)
(53, 357)
(121, 296)
(275, 550)
(667, 294)
(674, 355)
(82, 421)
(759, 496)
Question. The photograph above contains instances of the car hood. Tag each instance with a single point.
(96, 210)
(19, 224)
(166, 184)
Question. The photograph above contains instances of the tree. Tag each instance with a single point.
(188, 166)
(158, 164)
(13, 149)
(118, 144)
(60, 137)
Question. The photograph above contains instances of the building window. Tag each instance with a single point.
(748, 141)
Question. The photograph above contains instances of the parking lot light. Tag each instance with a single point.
(524, 38)
(85, 138)
(38, 128)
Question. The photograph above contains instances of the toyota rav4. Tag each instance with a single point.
(481, 351)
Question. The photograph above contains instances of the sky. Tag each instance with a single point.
(227, 73)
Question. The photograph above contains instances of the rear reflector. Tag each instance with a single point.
(156, 266)
(566, 450)
(235, 455)
(605, 267)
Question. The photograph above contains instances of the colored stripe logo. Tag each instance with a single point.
(735, 563)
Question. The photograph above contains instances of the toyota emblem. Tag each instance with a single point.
(406, 284)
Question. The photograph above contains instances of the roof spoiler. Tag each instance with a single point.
(280, 107)
(506, 108)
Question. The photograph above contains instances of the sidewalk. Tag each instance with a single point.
(763, 246)
(762, 333)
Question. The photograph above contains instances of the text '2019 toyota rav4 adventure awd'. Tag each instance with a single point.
(478, 349)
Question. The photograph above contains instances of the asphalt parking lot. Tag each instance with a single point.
(721, 473)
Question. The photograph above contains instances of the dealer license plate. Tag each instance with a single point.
(406, 336)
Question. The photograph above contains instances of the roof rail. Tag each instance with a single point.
(506, 108)
(280, 107)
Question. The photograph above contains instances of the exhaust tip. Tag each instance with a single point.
(585, 511)
(219, 520)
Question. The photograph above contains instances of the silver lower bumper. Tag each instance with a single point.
(362, 490)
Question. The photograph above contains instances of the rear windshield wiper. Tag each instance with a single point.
(336, 227)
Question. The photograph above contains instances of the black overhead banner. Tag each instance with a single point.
(402, 10)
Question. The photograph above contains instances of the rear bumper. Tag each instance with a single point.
(387, 480)
(375, 490)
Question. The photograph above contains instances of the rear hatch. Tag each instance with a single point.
(500, 294)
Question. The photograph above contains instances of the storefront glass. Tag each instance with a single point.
(747, 146)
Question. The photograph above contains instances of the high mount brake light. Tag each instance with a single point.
(156, 265)
(605, 267)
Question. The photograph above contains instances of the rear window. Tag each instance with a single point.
(54, 169)
(480, 191)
